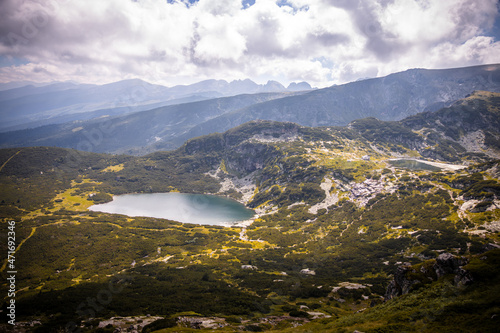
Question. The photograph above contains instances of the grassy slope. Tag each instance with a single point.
(438, 307)
(47, 192)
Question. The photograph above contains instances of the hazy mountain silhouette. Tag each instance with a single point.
(393, 97)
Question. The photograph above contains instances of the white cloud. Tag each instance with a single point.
(218, 39)
(320, 41)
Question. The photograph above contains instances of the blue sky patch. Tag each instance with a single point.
(6, 61)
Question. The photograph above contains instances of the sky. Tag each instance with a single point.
(170, 42)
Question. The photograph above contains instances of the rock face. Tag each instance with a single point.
(406, 276)
(447, 263)
(245, 149)
(401, 285)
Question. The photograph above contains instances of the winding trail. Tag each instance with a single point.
(17, 248)
(32, 230)
(1, 167)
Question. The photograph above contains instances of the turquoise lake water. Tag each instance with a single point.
(181, 207)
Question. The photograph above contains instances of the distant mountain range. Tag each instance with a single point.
(393, 97)
(128, 132)
(468, 130)
(34, 105)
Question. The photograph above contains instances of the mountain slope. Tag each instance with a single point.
(335, 221)
(469, 129)
(29, 104)
(436, 306)
(393, 97)
(130, 132)
(32, 106)
(390, 98)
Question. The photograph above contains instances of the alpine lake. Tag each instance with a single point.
(182, 207)
(413, 165)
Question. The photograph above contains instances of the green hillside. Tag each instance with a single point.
(345, 239)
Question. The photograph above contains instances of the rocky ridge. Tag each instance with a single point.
(407, 277)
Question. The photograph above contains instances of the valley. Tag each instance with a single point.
(343, 239)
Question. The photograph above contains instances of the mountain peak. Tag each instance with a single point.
(273, 86)
(294, 86)
(244, 84)
(127, 83)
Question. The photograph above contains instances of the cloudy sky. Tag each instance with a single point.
(170, 42)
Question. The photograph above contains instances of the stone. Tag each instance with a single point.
(447, 263)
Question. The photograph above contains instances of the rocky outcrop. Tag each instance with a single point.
(363, 192)
(244, 149)
(401, 284)
(407, 277)
(446, 263)
(202, 322)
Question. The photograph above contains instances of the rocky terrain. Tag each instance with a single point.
(344, 239)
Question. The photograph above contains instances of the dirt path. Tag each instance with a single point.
(17, 248)
(1, 167)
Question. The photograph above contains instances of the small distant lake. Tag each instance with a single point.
(181, 207)
(413, 165)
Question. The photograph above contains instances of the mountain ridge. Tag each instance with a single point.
(389, 98)
(29, 104)
(393, 97)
